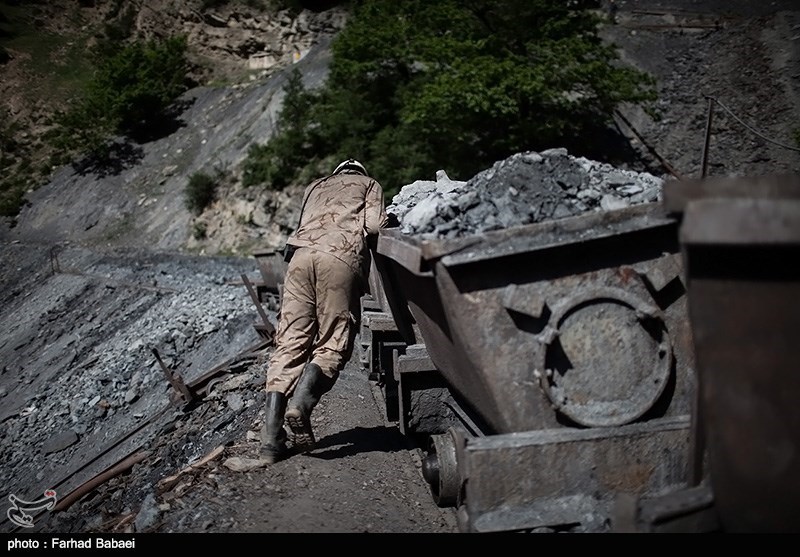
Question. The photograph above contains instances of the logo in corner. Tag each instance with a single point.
(20, 509)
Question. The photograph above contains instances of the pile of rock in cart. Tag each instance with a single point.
(523, 189)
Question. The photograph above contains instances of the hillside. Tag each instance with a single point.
(744, 54)
(45, 64)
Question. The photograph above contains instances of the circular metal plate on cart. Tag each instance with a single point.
(608, 358)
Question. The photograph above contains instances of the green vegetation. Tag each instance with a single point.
(416, 86)
(60, 59)
(14, 166)
(133, 87)
(200, 192)
(56, 63)
(15, 171)
(119, 87)
(200, 231)
(274, 163)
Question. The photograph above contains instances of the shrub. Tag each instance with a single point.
(201, 191)
(132, 89)
(200, 231)
(276, 163)
(12, 196)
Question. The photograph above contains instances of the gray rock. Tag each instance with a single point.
(611, 202)
(148, 513)
(60, 441)
(234, 401)
(522, 189)
(131, 395)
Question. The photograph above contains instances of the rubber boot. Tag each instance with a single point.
(273, 436)
(312, 385)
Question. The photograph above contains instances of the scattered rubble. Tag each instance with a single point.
(87, 389)
(153, 462)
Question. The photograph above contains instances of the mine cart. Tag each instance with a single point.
(740, 239)
(548, 368)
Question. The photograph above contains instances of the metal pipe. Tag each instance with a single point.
(85, 488)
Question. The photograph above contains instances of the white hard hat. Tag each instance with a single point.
(351, 165)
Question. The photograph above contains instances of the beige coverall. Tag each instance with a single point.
(320, 307)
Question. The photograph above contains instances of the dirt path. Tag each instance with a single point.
(362, 477)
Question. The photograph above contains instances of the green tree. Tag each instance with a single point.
(133, 86)
(459, 84)
(274, 164)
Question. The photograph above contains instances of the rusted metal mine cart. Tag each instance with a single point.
(548, 367)
(741, 242)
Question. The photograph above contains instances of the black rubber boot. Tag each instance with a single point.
(273, 436)
(312, 385)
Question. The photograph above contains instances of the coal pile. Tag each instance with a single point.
(526, 188)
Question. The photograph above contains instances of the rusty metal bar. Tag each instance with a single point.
(650, 148)
(175, 380)
(270, 328)
(114, 443)
(54, 265)
(193, 390)
(86, 487)
(200, 384)
(708, 137)
(106, 449)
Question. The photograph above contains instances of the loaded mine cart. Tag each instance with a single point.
(740, 239)
(547, 367)
(550, 368)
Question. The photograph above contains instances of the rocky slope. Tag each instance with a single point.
(232, 42)
(83, 395)
(744, 54)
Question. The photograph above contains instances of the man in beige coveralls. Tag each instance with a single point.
(320, 305)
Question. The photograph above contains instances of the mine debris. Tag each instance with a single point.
(170, 482)
(187, 394)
